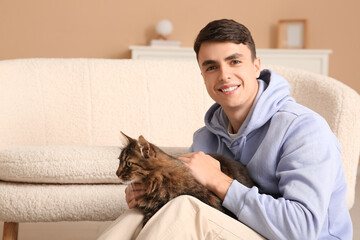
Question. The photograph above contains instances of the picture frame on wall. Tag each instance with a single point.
(293, 34)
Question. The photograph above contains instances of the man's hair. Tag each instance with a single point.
(225, 30)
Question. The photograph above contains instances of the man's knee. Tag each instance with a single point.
(186, 202)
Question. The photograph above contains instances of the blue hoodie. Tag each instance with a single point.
(294, 159)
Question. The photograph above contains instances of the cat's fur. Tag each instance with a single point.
(166, 177)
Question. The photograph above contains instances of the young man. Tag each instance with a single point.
(290, 153)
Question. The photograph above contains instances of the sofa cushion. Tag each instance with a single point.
(63, 164)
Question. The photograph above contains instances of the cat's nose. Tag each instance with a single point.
(118, 173)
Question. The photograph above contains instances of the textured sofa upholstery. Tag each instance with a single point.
(52, 106)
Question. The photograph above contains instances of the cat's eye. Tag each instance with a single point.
(128, 164)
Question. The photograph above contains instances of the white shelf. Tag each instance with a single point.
(313, 60)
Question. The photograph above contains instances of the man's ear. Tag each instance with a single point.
(125, 140)
(257, 65)
(146, 148)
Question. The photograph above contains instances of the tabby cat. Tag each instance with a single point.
(166, 177)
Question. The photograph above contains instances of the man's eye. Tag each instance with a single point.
(210, 68)
(235, 62)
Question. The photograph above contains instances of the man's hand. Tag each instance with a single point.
(207, 172)
(133, 191)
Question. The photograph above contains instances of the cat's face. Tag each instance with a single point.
(135, 159)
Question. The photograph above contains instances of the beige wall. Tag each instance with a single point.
(106, 28)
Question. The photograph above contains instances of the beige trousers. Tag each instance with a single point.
(182, 218)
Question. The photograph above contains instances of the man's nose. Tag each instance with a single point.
(225, 73)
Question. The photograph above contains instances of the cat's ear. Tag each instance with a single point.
(145, 148)
(125, 140)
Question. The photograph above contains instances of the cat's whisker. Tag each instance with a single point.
(127, 182)
(140, 173)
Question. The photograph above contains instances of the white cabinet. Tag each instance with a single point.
(316, 61)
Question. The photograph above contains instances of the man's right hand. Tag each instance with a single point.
(133, 192)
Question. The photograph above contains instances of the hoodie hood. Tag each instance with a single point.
(273, 92)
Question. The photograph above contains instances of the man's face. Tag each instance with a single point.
(229, 73)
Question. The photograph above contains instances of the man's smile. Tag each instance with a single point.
(228, 89)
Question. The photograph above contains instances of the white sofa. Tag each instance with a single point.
(60, 121)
